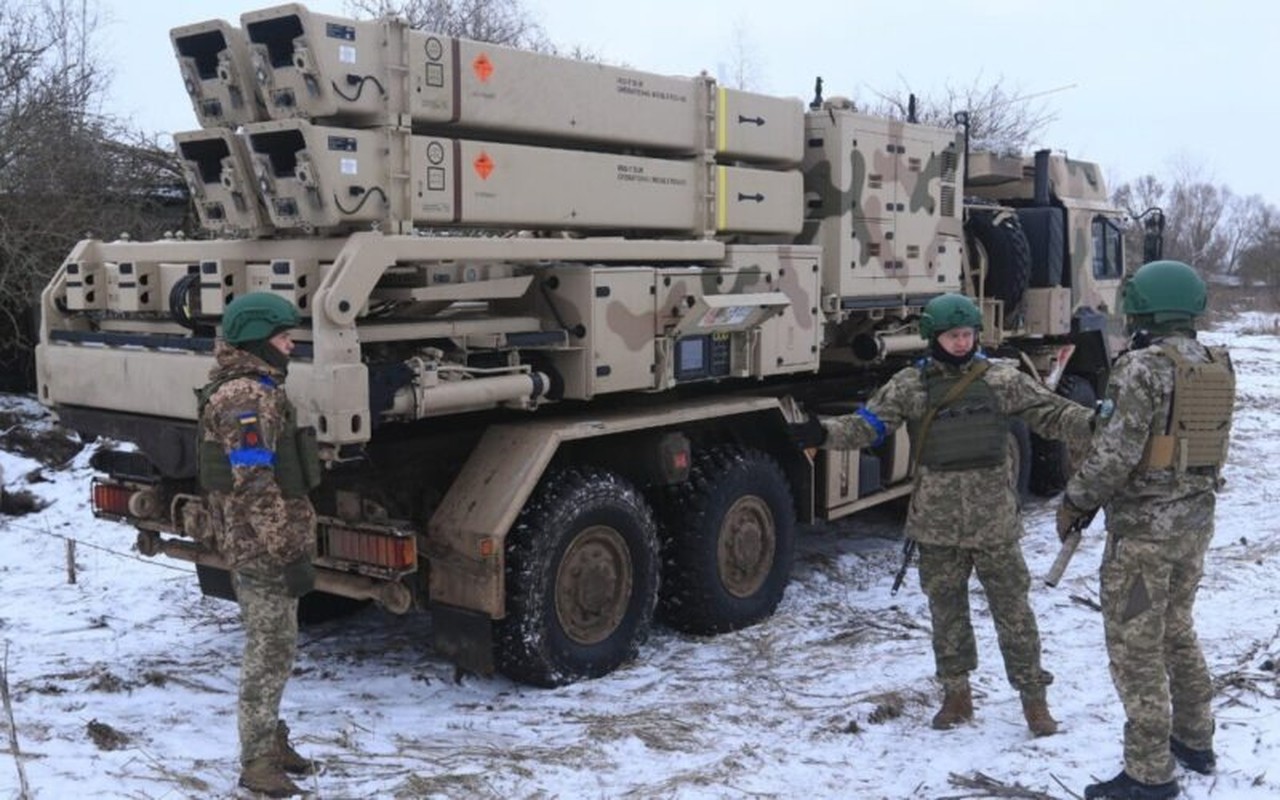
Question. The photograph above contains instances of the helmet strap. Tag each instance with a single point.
(264, 350)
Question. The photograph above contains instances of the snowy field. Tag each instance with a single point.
(122, 684)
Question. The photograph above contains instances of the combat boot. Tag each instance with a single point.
(1202, 761)
(291, 760)
(1122, 787)
(264, 776)
(957, 707)
(1036, 710)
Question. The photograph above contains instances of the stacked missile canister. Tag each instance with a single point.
(321, 124)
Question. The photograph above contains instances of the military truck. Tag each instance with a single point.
(557, 316)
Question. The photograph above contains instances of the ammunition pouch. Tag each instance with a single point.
(213, 468)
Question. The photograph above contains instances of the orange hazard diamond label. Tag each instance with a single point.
(483, 165)
(482, 67)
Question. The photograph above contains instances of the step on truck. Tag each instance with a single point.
(556, 316)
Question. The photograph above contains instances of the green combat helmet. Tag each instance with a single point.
(1165, 291)
(948, 311)
(257, 316)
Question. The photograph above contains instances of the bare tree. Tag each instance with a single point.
(65, 170)
(497, 21)
(1196, 210)
(742, 70)
(1260, 263)
(1001, 118)
(1248, 221)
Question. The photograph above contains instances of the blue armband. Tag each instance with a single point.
(875, 422)
(252, 457)
(251, 451)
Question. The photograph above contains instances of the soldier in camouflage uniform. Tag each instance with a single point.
(256, 468)
(958, 405)
(1154, 468)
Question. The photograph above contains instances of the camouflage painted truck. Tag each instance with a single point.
(551, 313)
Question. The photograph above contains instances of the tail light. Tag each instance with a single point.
(111, 499)
(126, 500)
(387, 551)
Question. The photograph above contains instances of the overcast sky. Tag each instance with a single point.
(1151, 84)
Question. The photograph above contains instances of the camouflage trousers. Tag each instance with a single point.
(1002, 571)
(270, 618)
(1147, 592)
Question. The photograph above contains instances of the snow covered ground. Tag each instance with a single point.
(122, 684)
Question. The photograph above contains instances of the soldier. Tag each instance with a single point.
(256, 468)
(1154, 467)
(958, 406)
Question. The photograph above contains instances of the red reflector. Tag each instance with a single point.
(681, 459)
(108, 499)
(364, 547)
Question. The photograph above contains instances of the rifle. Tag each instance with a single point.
(908, 550)
(1069, 544)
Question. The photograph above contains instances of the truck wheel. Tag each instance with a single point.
(728, 542)
(582, 579)
(999, 233)
(1051, 465)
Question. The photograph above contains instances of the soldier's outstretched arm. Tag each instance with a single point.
(900, 399)
(1047, 414)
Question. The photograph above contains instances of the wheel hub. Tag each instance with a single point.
(748, 538)
(593, 585)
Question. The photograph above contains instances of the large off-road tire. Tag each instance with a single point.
(1051, 465)
(582, 579)
(999, 233)
(728, 542)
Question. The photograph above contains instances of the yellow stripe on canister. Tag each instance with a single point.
(722, 198)
(722, 124)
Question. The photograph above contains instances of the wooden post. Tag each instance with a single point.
(71, 561)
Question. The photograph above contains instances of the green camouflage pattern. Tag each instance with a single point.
(1148, 591)
(254, 526)
(1150, 505)
(970, 508)
(967, 520)
(1159, 525)
(1002, 571)
(270, 618)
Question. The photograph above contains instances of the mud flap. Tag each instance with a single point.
(464, 637)
(215, 582)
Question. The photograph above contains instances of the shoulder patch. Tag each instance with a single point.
(250, 431)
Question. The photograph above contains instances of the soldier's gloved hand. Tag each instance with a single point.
(1102, 413)
(299, 577)
(1069, 515)
(809, 433)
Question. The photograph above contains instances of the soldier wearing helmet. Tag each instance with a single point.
(256, 469)
(958, 406)
(1154, 467)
